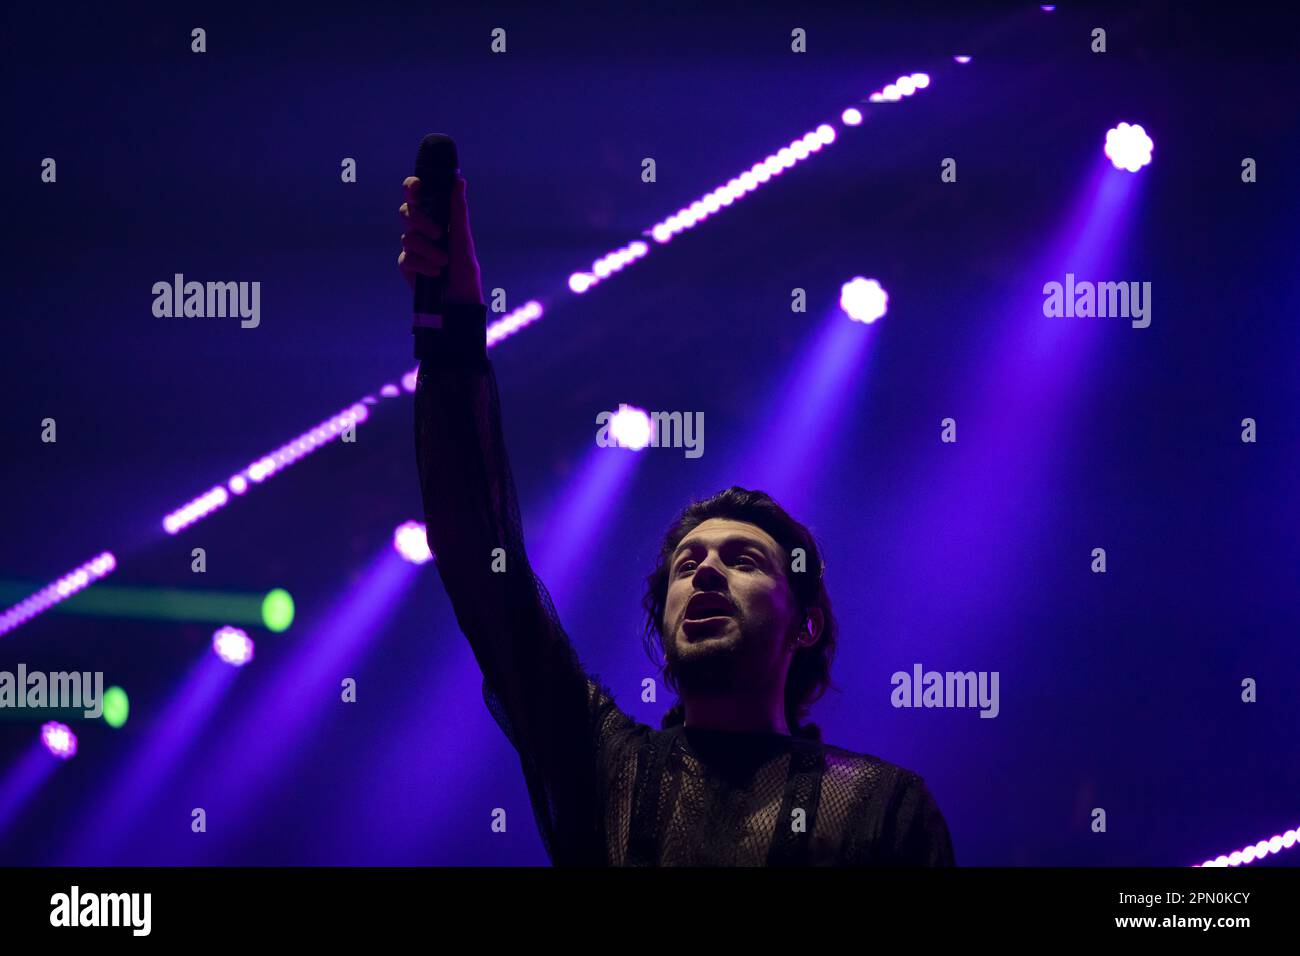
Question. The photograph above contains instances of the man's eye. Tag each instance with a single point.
(745, 557)
(682, 567)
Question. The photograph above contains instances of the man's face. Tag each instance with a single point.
(729, 607)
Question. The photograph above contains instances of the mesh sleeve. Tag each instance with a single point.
(533, 682)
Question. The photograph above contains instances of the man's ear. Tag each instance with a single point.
(815, 624)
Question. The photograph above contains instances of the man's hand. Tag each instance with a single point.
(420, 255)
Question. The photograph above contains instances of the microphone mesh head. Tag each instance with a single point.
(436, 155)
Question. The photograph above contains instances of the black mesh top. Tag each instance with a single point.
(605, 789)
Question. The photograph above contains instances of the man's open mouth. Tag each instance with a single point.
(705, 607)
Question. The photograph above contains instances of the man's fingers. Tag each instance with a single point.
(424, 247)
(411, 263)
(416, 220)
(421, 255)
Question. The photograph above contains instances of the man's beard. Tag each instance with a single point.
(713, 666)
(709, 666)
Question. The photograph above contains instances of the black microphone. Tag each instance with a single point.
(437, 166)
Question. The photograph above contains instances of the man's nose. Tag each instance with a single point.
(708, 577)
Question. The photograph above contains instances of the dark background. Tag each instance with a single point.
(1119, 691)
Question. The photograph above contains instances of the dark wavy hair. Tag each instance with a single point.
(810, 670)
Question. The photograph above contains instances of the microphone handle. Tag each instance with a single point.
(437, 170)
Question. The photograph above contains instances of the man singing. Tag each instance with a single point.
(737, 604)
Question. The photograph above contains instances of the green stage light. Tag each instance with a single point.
(116, 707)
(277, 610)
(161, 604)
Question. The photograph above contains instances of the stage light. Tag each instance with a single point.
(851, 117)
(116, 707)
(696, 212)
(1258, 851)
(59, 739)
(197, 509)
(509, 324)
(1128, 147)
(902, 87)
(233, 646)
(60, 590)
(265, 467)
(863, 300)
(630, 427)
(962, 58)
(162, 604)
(410, 542)
(277, 610)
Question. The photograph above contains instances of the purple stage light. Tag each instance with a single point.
(851, 117)
(197, 509)
(264, 467)
(155, 751)
(607, 265)
(709, 204)
(60, 590)
(512, 322)
(330, 429)
(901, 88)
(233, 646)
(59, 739)
(802, 420)
(21, 781)
(410, 542)
(962, 58)
(1275, 844)
(293, 697)
(630, 427)
(863, 300)
(1128, 147)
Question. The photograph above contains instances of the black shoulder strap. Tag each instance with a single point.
(643, 831)
(803, 787)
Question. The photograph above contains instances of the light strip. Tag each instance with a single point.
(60, 590)
(1274, 844)
(327, 431)
(739, 186)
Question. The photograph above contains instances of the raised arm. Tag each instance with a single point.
(533, 682)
